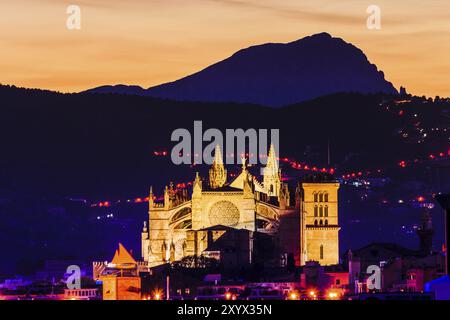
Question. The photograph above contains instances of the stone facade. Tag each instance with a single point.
(121, 288)
(243, 204)
(320, 223)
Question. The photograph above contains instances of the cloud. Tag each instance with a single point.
(319, 15)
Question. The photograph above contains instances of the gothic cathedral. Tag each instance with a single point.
(225, 220)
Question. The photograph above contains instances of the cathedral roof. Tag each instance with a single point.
(226, 188)
(122, 257)
(239, 181)
(319, 177)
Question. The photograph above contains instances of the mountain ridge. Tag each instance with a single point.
(275, 74)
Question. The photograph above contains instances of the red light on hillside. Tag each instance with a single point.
(420, 199)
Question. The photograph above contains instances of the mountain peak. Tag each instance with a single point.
(277, 74)
(322, 36)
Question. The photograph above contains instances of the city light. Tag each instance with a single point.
(293, 296)
(294, 164)
(332, 295)
(157, 294)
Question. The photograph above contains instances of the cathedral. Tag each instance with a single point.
(224, 219)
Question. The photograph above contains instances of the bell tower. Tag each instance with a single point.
(319, 222)
(425, 232)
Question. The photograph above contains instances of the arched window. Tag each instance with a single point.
(326, 211)
(315, 197)
(321, 211)
(326, 222)
(320, 197)
(321, 252)
(315, 211)
(315, 222)
(326, 197)
(321, 222)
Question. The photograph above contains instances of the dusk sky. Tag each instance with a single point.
(148, 42)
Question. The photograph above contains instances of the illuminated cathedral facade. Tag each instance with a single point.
(302, 221)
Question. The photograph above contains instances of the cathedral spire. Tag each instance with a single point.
(144, 229)
(272, 180)
(244, 164)
(217, 173)
(218, 155)
(150, 198)
(197, 186)
(166, 197)
(272, 162)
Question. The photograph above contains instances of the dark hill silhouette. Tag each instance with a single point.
(276, 74)
(101, 144)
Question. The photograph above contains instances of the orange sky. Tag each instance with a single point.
(148, 42)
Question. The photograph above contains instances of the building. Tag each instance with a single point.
(232, 247)
(328, 280)
(320, 222)
(303, 221)
(401, 269)
(81, 294)
(120, 277)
